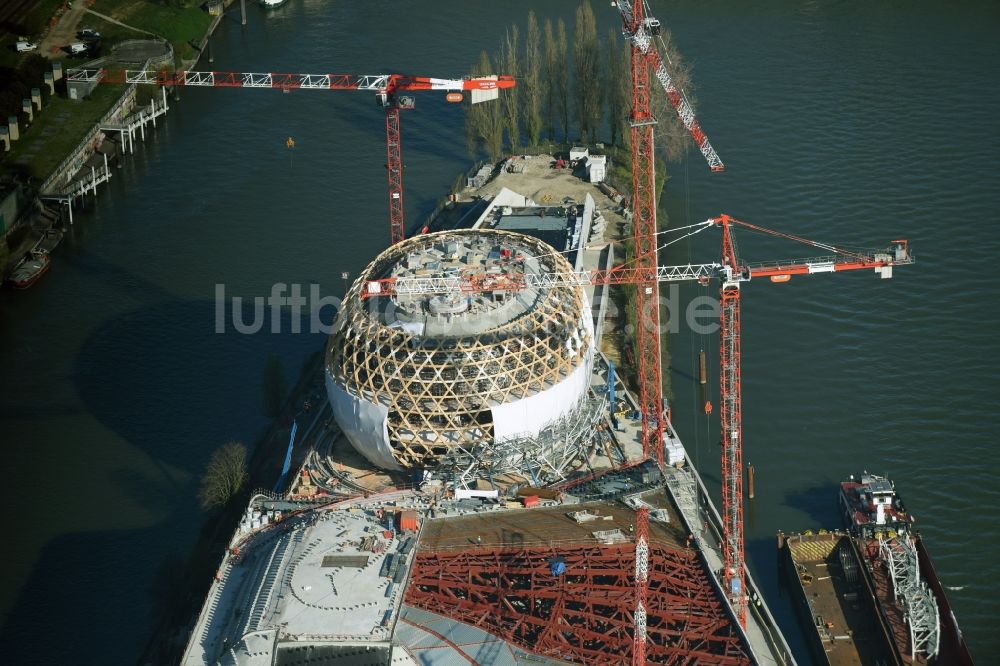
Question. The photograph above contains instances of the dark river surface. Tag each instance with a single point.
(853, 123)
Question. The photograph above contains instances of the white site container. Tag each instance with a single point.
(597, 166)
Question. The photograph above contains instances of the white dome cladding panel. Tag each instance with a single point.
(440, 366)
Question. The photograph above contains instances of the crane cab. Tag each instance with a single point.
(387, 100)
(902, 250)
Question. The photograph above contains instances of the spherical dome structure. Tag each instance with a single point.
(411, 378)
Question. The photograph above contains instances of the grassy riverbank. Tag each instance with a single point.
(183, 27)
(57, 130)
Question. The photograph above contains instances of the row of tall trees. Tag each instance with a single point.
(565, 94)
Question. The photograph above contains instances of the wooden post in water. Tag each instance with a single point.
(177, 88)
(750, 481)
(243, 12)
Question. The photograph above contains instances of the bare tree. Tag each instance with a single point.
(552, 66)
(587, 93)
(672, 138)
(507, 61)
(484, 122)
(531, 76)
(224, 477)
(562, 74)
(617, 78)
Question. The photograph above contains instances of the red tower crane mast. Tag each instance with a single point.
(641, 30)
(732, 272)
(388, 89)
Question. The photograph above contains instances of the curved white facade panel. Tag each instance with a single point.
(528, 417)
(364, 423)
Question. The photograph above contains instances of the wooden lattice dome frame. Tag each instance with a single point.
(439, 389)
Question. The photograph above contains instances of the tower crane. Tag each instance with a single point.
(642, 31)
(389, 92)
(732, 272)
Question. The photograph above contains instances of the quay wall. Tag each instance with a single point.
(63, 173)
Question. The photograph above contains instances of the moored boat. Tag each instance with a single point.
(29, 270)
(898, 573)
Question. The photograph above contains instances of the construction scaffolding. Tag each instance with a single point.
(544, 458)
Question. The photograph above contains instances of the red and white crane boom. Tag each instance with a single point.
(387, 88)
(642, 31)
(516, 281)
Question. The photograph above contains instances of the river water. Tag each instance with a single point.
(854, 123)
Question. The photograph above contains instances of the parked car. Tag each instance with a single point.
(88, 34)
(77, 48)
(23, 46)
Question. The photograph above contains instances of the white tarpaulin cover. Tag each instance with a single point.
(364, 423)
(529, 416)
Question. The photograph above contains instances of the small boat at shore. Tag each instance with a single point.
(29, 270)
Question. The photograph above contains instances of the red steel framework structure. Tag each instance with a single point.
(731, 427)
(644, 230)
(587, 614)
(388, 89)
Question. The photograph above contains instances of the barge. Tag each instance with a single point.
(838, 614)
(869, 595)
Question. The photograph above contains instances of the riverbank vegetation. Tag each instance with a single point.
(57, 130)
(62, 123)
(183, 23)
(565, 92)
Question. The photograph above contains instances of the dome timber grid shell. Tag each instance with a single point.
(439, 385)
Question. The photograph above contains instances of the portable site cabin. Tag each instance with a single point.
(597, 166)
